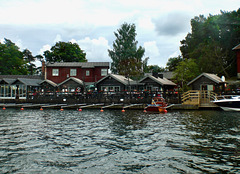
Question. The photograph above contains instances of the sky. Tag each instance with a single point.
(37, 25)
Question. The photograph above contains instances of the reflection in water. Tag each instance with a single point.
(90, 141)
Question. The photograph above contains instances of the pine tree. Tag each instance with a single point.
(126, 57)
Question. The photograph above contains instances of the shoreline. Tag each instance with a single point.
(83, 106)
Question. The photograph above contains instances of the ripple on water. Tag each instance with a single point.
(50, 141)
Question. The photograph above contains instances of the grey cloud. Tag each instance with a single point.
(172, 24)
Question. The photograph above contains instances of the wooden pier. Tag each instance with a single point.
(198, 99)
(191, 100)
(71, 106)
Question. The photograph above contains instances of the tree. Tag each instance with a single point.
(29, 58)
(65, 52)
(186, 71)
(154, 68)
(126, 57)
(173, 63)
(11, 59)
(211, 41)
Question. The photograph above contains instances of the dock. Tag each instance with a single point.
(102, 106)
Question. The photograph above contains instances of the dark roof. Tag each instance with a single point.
(49, 82)
(20, 76)
(7, 80)
(162, 81)
(78, 64)
(28, 82)
(237, 47)
(212, 77)
(166, 74)
(72, 78)
(119, 78)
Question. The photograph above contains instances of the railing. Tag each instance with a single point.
(191, 97)
(102, 97)
(198, 97)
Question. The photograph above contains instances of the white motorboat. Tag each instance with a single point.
(228, 103)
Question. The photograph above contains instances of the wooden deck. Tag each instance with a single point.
(200, 98)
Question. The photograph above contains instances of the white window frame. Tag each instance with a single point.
(104, 72)
(110, 88)
(87, 73)
(73, 72)
(55, 72)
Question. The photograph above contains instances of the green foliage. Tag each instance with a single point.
(29, 58)
(126, 57)
(173, 63)
(154, 68)
(65, 52)
(211, 41)
(11, 59)
(186, 71)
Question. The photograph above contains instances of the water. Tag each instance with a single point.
(51, 141)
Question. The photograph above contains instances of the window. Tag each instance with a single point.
(73, 72)
(110, 88)
(117, 88)
(55, 72)
(104, 72)
(87, 73)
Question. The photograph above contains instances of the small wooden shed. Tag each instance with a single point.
(157, 83)
(114, 82)
(207, 81)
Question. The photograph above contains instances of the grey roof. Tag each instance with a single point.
(28, 82)
(78, 64)
(166, 74)
(49, 82)
(7, 80)
(119, 78)
(162, 81)
(72, 78)
(20, 76)
(212, 77)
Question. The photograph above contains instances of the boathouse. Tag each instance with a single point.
(113, 82)
(18, 86)
(157, 82)
(209, 82)
(48, 86)
(71, 84)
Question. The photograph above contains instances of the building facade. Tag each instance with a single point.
(88, 72)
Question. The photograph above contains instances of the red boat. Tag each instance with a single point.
(158, 105)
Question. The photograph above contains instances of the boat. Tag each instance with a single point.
(228, 103)
(157, 105)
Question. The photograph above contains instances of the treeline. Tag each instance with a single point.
(16, 62)
(208, 47)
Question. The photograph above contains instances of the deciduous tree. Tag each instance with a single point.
(211, 41)
(186, 71)
(65, 52)
(11, 59)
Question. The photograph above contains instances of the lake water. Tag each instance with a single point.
(69, 141)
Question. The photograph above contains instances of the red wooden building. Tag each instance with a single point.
(88, 72)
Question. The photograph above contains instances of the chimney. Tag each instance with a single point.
(155, 74)
(43, 70)
(160, 75)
